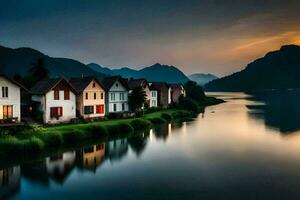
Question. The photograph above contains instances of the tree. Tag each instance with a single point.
(194, 91)
(137, 99)
(39, 70)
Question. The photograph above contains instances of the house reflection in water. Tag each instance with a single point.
(116, 149)
(9, 181)
(91, 157)
(59, 167)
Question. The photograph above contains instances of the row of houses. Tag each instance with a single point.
(61, 100)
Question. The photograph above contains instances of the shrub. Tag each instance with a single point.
(166, 116)
(125, 128)
(53, 139)
(33, 145)
(140, 124)
(73, 136)
(181, 114)
(11, 144)
(96, 131)
(189, 104)
(113, 129)
(157, 120)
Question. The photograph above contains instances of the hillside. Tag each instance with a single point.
(276, 70)
(202, 79)
(156, 72)
(20, 60)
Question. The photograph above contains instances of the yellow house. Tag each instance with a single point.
(90, 100)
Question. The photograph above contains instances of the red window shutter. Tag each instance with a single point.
(67, 94)
(56, 94)
(100, 109)
(60, 111)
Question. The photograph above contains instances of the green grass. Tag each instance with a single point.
(34, 140)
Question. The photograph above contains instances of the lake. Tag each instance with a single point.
(246, 148)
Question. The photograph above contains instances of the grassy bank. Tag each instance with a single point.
(38, 140)
(35, 140)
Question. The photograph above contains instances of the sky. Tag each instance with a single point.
(205, 36)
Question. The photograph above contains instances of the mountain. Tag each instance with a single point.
(156, 72)
(20, 60)
(276, 70)
(202, 79)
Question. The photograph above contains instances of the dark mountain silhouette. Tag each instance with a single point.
(155, 72)
(276, 70)
(20, 60)
(202, 79)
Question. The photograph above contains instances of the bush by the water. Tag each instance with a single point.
(96, 131)
(157, 120)
(166, 116)
(73, 136)
(113, 129)
(33, 145)
(52, 139)
(125, 128)
(188, 104)
(140, 124)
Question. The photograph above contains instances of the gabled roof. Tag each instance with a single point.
(158, 85)
(80, 83)
(109, 82)
(44, 86)
(133, 83)
(13, 81)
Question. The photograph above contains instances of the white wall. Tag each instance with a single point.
(14, 98)
(116, 89)
(69, 107)
(151, 98)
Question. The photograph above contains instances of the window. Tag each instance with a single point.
(115, 107)
(56, 94)
(88, 110)
(95, 95)
(94, 85)
(5, 92)
(122, 96)
(86, 95)
(117, 85)
(99, 109)
(123, 106)
(67, 95)
(153, 103)
(99, 147)
(102, 95)
(113, 96)
(56, 112)
(7, 112)
(153, 94)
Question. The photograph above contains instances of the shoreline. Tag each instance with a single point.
(38, 142)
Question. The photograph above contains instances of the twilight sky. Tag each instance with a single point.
(213, 36)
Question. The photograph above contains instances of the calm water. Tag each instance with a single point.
(247, 148)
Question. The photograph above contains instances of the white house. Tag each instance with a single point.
(151, 93)
(90, 100)
(56, 99)
(153, 97)
(10, 100)
(116, 95)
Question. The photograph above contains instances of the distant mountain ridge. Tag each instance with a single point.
(202, 79)
(276, 70)
(20, 60)
(156, 72)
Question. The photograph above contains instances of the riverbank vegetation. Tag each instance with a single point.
(34, 140)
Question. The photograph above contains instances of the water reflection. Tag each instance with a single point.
(234, 151)
(280, 110)
(9, 181)
(91, 157)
